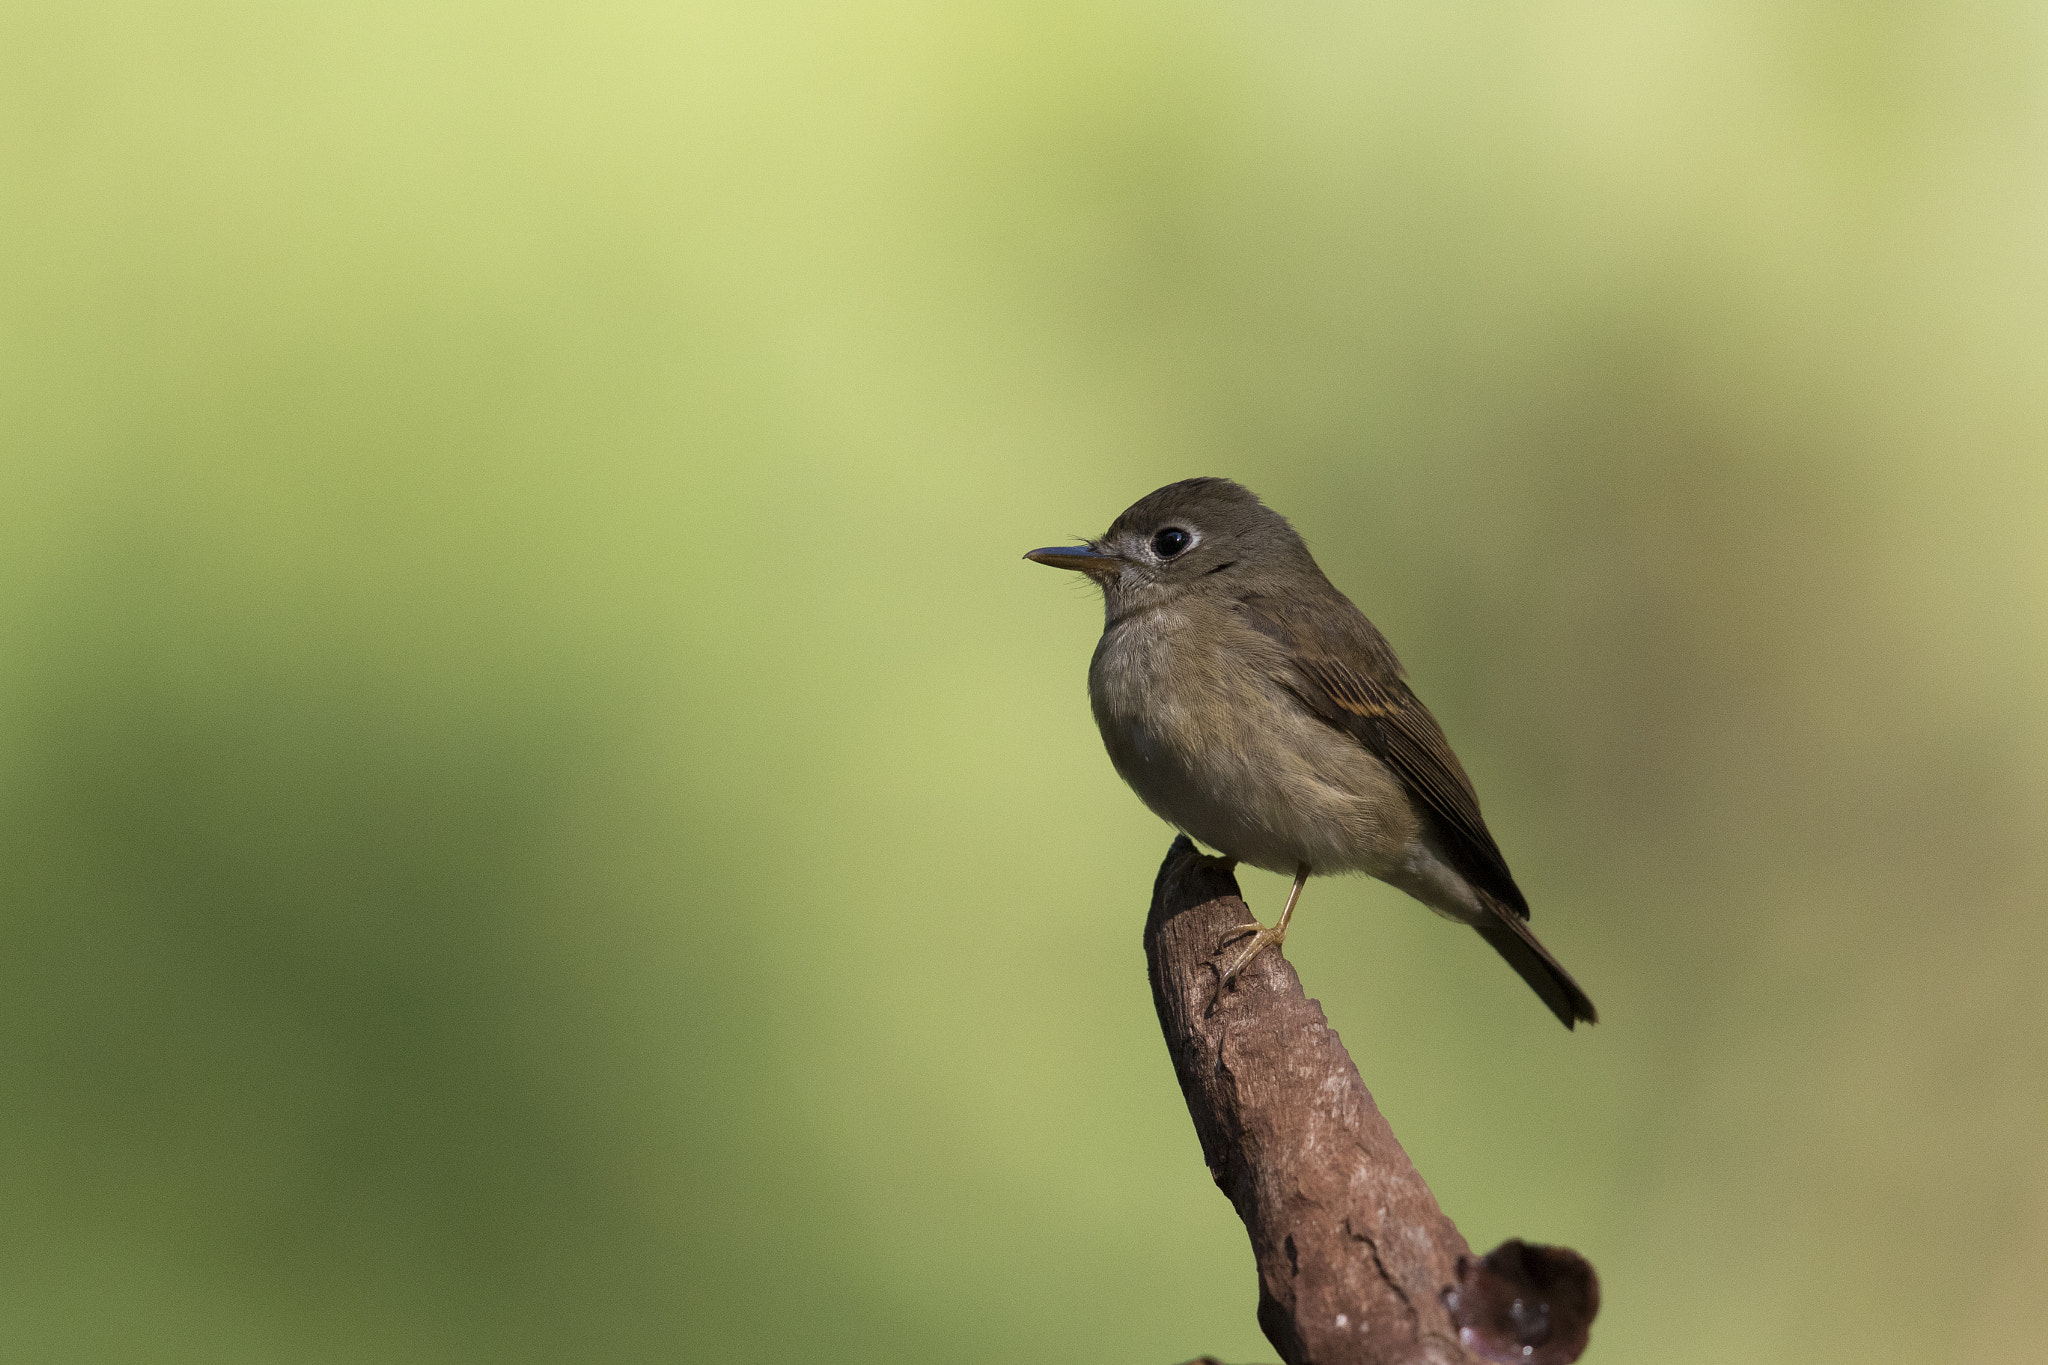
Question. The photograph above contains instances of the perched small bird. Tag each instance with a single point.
(1252, 706)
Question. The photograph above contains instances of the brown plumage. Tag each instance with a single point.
(1249, 703)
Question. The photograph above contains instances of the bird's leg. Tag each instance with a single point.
(1262, 937)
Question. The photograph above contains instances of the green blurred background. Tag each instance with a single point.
(543, 818)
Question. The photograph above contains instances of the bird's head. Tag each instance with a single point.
(1198, 535)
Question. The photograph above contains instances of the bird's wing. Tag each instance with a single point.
(1345, 673)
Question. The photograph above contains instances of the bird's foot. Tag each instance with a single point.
(1262, 939)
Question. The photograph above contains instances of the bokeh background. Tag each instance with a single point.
(543, 818)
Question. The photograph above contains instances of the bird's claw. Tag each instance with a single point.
(1262, 939)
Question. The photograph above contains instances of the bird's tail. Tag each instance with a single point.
(1511, 938)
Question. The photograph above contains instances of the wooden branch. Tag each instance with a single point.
(1357, 1264)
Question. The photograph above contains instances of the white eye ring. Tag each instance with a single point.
(1170, 542)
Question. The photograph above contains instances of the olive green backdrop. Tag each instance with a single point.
(544, 820)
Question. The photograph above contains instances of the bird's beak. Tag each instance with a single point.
(1079, 557)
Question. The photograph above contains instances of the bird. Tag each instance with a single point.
(1251, 705)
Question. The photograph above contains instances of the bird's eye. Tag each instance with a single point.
(1171, 542)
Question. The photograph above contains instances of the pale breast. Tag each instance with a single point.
(1196, 719)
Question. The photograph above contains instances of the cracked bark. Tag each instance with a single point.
(1357, 1265)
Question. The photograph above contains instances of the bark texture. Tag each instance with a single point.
(1357, 1264)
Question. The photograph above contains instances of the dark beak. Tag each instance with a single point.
(1079, 557)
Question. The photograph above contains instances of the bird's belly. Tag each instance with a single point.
(1236, 808)
(1254, 776)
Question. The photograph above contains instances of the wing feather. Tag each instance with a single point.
(1344, 672)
